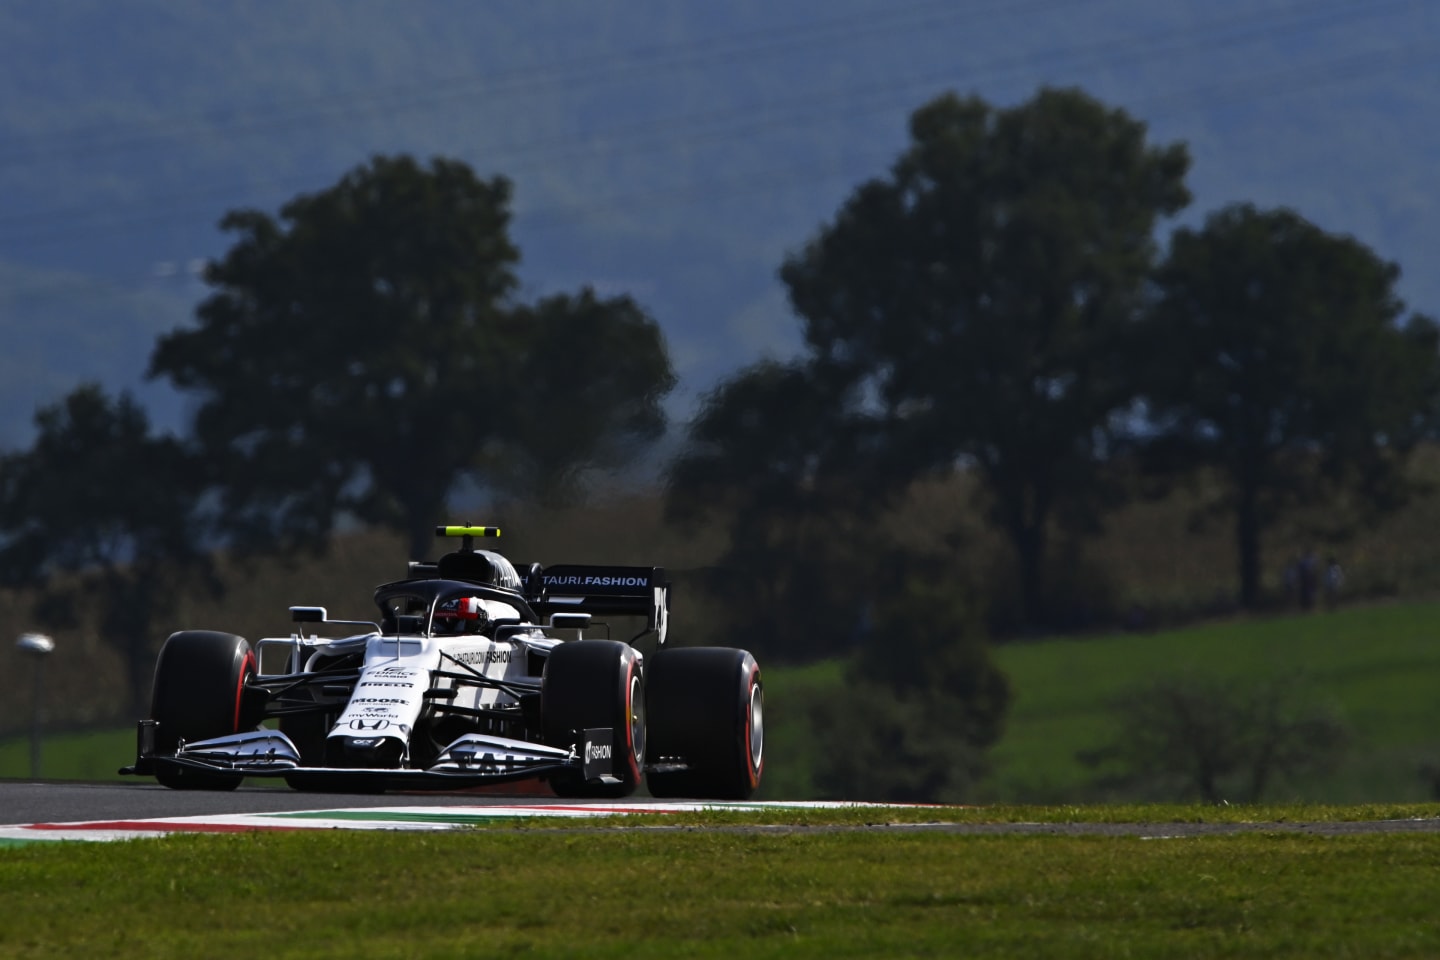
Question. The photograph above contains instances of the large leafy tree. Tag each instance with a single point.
(99, 516)
(1282, 358)
(363, 354)
(603, 368)
(974, 306)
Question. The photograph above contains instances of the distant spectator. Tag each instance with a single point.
(1334, 581)
(1309, 578)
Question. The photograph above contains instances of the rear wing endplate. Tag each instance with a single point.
(601, 591)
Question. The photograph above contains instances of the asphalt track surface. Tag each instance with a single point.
(67, 801)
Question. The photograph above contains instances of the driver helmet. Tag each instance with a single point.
(461, 615)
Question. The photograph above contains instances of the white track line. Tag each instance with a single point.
(375, 818)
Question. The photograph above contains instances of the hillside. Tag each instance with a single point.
(1374, 666)
(672, 151)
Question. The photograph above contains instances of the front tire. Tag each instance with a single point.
(707, 711)
(199, 679)
(595, 683)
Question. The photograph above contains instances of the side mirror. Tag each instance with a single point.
(307, 614)
(569, 621)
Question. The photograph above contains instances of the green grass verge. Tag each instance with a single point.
(1375, 664)
(1126, 813)
(96, 755)
(639, 893)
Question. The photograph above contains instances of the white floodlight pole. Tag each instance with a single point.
(38, 646)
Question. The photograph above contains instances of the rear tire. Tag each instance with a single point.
(595, 683)
(707, 710)
(199, 678)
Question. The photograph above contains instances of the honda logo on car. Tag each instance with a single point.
(577, 581)
(596, 751)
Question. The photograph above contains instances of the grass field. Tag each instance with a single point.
(640, 893)
(96, 755)
(1379, 666)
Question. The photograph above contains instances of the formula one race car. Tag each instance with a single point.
(473, 674)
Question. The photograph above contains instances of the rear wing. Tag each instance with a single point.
(601, 591)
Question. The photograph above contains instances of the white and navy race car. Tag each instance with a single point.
(473, 673)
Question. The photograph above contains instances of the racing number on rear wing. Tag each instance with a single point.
(625, 591)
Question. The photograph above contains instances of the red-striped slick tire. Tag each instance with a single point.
(199, 682)
(707, 710)
(596, 683)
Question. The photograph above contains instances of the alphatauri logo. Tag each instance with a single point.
(576, 581)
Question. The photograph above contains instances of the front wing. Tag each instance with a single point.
(472, 760)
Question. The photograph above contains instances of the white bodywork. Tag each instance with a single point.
(446, 686)
(390, 694)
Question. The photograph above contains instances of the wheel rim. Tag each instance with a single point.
(757, 726)
(637, 719)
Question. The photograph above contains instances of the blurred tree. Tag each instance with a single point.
(363, 355)
(1277, 358)
(603, 367)
(770, 453)
(975, 308)
(934, 700)
(100, 515)
(1188, 736)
